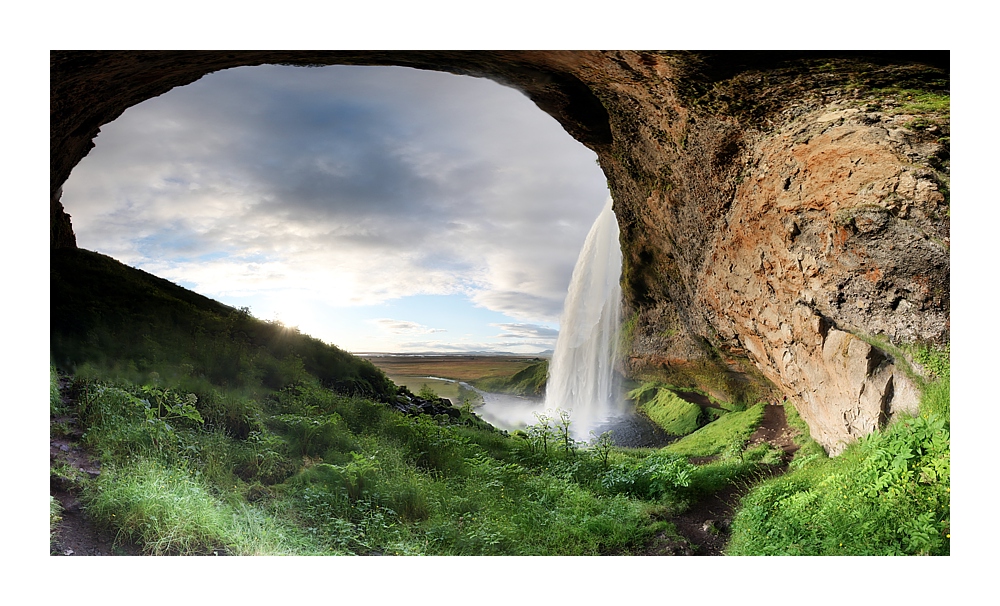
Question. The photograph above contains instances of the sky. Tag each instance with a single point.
(377, 208)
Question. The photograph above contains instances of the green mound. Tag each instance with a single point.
(717, 436)
(663, 406)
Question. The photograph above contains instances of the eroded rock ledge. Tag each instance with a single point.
(774, 206)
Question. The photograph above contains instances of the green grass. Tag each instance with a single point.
(675, 416)
(936, 393)
(722, 434)
(55, 516)
(888, 494)
(161, 508)
(809, 449)
(55, 402)
(912, 101)
(334, 474)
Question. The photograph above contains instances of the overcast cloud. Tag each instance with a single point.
(349, 185)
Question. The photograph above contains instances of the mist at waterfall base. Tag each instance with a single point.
(582, 379)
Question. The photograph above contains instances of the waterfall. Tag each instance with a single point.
(582, 379)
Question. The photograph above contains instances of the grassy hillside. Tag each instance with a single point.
(887, 494)
(528, 382)
(108, 315)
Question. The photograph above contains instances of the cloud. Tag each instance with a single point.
(527, 331)
(362, 184)
(405, 327)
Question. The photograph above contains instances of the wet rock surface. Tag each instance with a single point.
(633, 430)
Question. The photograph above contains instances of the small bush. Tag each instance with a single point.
(654, 477)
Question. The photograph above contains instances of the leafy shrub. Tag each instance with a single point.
(263, 457)
(653, 477)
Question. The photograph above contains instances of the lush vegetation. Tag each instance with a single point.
(887, 494)
(326, 473)
(219, 433)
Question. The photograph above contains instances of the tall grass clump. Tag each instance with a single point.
(162, 509)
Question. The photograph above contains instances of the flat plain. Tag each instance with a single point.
(416, 371)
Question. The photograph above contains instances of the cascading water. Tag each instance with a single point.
(582, 379)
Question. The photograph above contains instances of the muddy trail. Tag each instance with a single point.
(70, 466)
(704, 526)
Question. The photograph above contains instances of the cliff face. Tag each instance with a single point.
(773, 206)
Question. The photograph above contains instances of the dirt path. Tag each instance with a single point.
(70, 466)
(705, 525)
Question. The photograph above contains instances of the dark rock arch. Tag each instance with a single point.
(710, 157)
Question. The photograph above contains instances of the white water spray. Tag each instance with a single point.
(581, 374)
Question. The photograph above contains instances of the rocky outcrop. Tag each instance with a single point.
(774, 206)
(412, 405)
